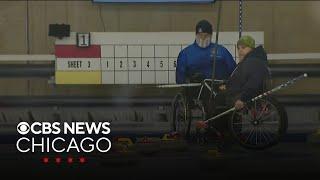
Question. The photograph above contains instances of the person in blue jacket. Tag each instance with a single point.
(197, 58)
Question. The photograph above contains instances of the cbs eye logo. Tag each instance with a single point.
(23, 128)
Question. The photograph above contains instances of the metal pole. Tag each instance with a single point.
(216, 41)
(215, 49)
(28, 41)
(240, 17)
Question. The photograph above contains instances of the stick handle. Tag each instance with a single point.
(292, 81)
(179, 85)
(221, 114)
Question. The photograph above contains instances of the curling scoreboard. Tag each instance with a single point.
(127, 57)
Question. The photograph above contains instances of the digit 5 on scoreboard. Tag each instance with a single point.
(83, 39)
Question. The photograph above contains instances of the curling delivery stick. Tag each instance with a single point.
(290, 82)
(189, 84)
(179, 85)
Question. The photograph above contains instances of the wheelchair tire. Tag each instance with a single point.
(181, 120)
(260, 125)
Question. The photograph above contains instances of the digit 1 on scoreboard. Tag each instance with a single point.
(83, 40)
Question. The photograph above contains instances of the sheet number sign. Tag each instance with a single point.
(83, 39)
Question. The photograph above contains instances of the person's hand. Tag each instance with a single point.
(201, 124)
(239, 104)
(222, 87)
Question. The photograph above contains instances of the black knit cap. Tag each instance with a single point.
(204, 26)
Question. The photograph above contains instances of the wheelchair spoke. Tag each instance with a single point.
(242, 123)
(258, 141)
(270, 122)
(254, 135)
(260, 126)
(267, 136)
(245, 117)
(263, 135)
(249, 135)
(270, 134)
(260, 135)
(269, 116)
(262, 111)
(257, 132)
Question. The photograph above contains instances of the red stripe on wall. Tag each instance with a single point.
(72, 51)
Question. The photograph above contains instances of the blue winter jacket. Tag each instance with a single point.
(194, 60)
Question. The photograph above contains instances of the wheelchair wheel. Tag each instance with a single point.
(259, 125)
(181, 122)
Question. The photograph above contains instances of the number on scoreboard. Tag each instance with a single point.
(83, 39)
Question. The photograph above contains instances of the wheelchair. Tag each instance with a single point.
(259, 125)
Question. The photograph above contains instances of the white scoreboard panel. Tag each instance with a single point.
(128, 58)
(139, 64)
